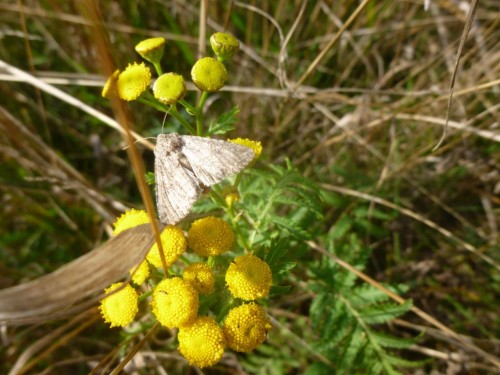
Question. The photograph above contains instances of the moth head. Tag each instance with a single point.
(167, 143)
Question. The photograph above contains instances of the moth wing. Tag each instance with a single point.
(212, 160)
(177, 188)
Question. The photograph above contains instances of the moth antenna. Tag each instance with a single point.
(138, 140)
(165, 119)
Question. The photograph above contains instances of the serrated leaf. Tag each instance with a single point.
(292, 227)
(401, 362)
(388, 341)
(386, 312)
(224, 122)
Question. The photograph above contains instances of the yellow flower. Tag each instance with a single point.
(175, 302)
(169, 88)
(210, 236)
(120, 308)
(110, 86)
(151, 49)
(200, 275)
(232, 197)
(202, 342)
(249, 278)
(129, 219)
(256, 146)
(208, 74)
(174, 244)
(142, 273)
(133, 81)
(224, 45)
(246, 327)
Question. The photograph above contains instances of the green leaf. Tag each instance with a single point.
(292, 227)
(388, 341)
(224, 122)
(386, 312)
(150, 178)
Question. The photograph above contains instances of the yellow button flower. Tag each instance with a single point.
(254, 145)
(248, 277)
(129, 219)
(151, 49)
(210, 236)
(141, 274)
(169, 88)
(174, 244)
(175, 302)
(208, 74)
(246, 327)
(110, 86)
(120, 308)
(200, 275)
(202, 342)
(224, 45)
(133, 81)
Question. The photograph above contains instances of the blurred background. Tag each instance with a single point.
(353, 93)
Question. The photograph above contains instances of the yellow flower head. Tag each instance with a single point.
(174, 244)
(200, 275)
(249, 278)
(120, 308)
(224, 45)
(151, 49)
(110, 86)
(210, 236)
(232, 197)
(256, 146)
(133, 81)
(131, 218)
(202, 342)
(246, 327)
(142, 273)
(169, 88)
(208, 74)
(175, 302)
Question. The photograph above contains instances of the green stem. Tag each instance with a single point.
(190, 109)
(199, 113)
(148, 99)
(159, 71)
(175, 113)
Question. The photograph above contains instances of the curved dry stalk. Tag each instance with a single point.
(70, 288)
(54, 91)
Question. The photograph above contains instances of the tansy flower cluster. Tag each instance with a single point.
(210, 292)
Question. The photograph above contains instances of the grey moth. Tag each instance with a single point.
(186, 165)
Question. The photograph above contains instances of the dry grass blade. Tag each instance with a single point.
(415, 216)
(463, 38)
(64, 291)
(54, 91)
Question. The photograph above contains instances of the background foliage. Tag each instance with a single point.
(347, 168)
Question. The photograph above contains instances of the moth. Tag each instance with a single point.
(186, 165)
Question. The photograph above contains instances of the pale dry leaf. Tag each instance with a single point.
(70, 288)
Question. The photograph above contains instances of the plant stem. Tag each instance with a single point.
(199, 113)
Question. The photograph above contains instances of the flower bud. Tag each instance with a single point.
(224, 45)
(151, 49)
